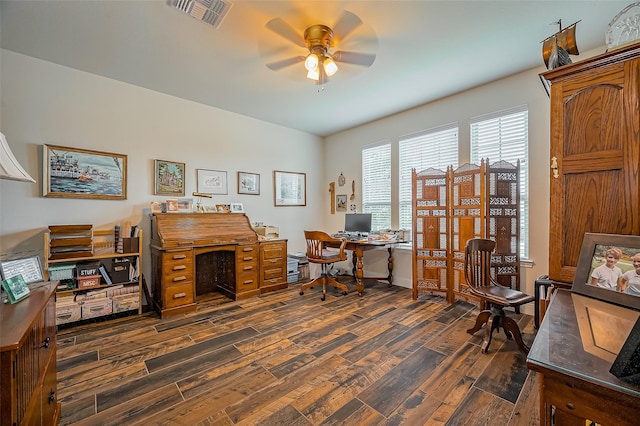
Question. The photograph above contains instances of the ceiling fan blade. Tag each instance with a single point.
(365, 59)
(345, 25)
(275, 66)
(285, 30)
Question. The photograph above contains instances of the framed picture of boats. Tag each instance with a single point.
(82, 173)
(169, 178)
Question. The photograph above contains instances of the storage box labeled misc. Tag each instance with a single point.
(96, 308)
(126, 302)
(67, 313)
(88, 282)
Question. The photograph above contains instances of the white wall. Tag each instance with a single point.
(44, 103)
(343, 154)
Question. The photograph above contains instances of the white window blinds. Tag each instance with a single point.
(376, 184)
(435, 148)
(505, 136)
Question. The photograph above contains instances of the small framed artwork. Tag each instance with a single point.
(29, 268)
(212, 181)
(341, 203)
(16, 288)
(82, 173)
(172, 205)
(222, 208)
(236, 208)
(158, 207)
(169, 178)
(289, 188)
(248, 183)
(185, 205)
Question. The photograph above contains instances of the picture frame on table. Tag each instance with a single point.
(593, 255)
(212, 181)
(169, 178)
(82, 173)
(222, 208)
(248, 183)
(28, 267)
(289, 188)
(172, 205)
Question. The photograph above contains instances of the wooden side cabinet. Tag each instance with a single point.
(594, 153)
(28, 360)
(273, 265)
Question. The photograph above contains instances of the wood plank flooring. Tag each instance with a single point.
(286, 359)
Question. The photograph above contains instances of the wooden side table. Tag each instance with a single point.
(575, 384)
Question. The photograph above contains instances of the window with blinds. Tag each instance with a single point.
(376, 184)
(505, 136)
(435, 148)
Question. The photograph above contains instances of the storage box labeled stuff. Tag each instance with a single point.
(87, 269)
(126, 302)
(96, 308)
(67, 313)
(88, 282)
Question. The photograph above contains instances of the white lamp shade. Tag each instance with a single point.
(330, 67)
(9, 166)
(311, 63)
(314, 74)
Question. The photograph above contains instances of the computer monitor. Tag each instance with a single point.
(357, 222)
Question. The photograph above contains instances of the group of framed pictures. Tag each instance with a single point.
(289, 188)
(169, 179)
(82, 173)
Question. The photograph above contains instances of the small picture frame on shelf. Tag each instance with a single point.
(222, 208)
(16, 288)
(172, 205)
(236, 208)
(28, 267)
(185, 205)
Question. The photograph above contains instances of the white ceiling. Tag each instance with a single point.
(425, 50)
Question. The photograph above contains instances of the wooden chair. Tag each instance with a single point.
(493, 296)
(318, 252)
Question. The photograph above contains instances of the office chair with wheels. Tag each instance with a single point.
(318, 252)
(493, 296)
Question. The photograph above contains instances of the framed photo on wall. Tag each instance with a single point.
(82, 173)
(212, 181)
(289, 188)
(248, 183)
(169, 178)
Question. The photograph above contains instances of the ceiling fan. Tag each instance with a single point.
(321, 61)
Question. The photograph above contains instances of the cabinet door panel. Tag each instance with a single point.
(594, 138)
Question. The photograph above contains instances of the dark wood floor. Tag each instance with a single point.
(286, 359)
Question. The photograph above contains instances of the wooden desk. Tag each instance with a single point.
(358, 247)
(575, 382)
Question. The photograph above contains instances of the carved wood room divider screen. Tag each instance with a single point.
(453, 206)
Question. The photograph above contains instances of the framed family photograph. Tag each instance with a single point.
(169, 178)
(212, 181)
(82, 173)
(609, 269)
(248, 183)
(289, 188)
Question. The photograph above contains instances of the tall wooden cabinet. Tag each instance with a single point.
(595, 153)
(28, 360)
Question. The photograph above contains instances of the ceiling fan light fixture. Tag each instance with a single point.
(330, 66)
(312, 61)
(314, 74)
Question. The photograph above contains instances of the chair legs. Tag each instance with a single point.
(495, 319)
(325, 280)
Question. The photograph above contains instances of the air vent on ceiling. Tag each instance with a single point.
(210, 11)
